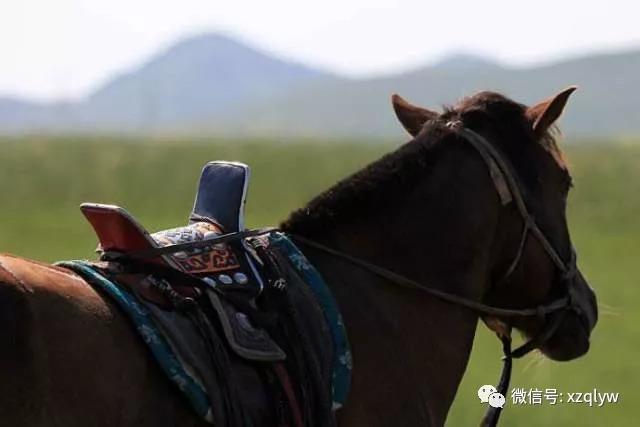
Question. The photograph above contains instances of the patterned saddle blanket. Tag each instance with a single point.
(243, 328)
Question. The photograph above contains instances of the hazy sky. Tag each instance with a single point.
(51, 49)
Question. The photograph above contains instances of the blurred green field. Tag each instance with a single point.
(42, 182)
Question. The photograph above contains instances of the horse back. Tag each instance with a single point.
(62, 347)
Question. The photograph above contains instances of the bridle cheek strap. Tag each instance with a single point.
(516, 260)
(504, 181)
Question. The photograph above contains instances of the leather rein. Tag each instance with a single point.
(506, 185)
(508, 190)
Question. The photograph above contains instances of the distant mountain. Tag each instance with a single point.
(605, 104)
(214, 84)
(465, 61)
(18, 116)
(196, 78)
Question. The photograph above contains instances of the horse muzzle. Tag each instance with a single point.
(571, 340)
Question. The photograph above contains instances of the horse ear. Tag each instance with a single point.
(545, 113)
(411, 116)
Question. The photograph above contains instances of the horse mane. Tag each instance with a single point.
(391, 177)
(376, 185)
(496, 107)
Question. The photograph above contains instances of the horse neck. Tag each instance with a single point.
(409, 349)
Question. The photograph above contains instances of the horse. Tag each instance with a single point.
(429, 212)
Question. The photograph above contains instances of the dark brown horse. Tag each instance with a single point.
(428, 211)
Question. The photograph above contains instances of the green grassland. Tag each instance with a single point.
(43, 180)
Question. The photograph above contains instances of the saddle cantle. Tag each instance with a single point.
(221, 195)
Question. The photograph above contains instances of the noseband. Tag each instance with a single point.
(506, 185)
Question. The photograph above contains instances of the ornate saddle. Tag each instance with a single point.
(218, 209)
(224, 300)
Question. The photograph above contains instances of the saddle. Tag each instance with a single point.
(218, 208)
(239, 301)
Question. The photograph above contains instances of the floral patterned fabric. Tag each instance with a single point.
(146, 327)
(192, 386)
(342, 363)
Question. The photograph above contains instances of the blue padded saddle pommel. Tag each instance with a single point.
(221, 194)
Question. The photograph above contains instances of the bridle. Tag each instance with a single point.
(506, 185)
(503, 177)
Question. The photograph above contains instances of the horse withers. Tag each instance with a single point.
(430, 212)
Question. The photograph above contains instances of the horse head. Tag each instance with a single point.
(521, 271)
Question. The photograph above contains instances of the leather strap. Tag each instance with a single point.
(170, 249)
(486, 149)
(492, 415)
(405, 282)
(500, 171)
